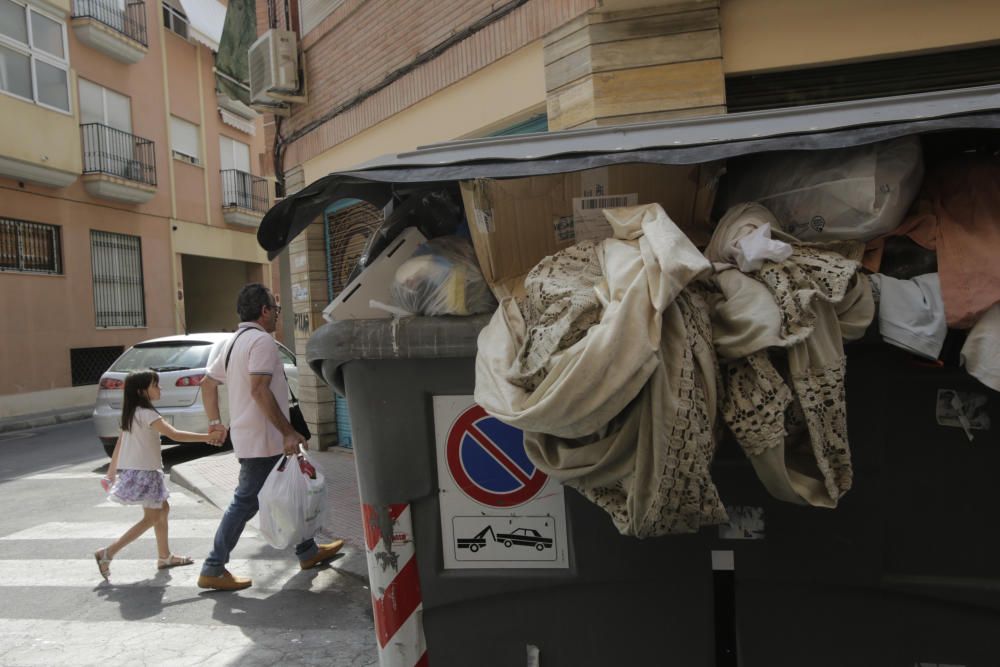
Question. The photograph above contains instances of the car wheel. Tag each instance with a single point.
(539, 546)
(507, 543)
(474, 548)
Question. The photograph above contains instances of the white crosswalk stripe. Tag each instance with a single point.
(109, 530)
(267, 574)
(177, 499)
(63, 474)
(44, 643)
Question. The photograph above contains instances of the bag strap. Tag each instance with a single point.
(295, 401)
(233, 344)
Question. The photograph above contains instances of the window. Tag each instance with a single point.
(30, 246)
(119, 298)
(33, 58)
(174, 19)
(234, 154)
(106, 107)
(87, 364)
(314, 11)
(184, 141)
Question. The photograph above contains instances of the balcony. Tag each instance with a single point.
(244, 197)
(118, 165)
(104, 25)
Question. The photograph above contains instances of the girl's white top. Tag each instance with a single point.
(141, 445)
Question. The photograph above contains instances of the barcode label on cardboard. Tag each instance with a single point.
(616, 201)
(589, 222)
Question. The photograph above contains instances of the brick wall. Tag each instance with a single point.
(361, 42)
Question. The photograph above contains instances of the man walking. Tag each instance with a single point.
(261, 433)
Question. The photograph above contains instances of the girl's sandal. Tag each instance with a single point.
(103, 563)
(172, 561)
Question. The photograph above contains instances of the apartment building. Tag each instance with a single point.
(384, 77)
(130, 189)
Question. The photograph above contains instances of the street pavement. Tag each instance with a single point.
(56, 610)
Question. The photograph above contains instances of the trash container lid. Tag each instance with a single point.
(336, 343)
(683, 141)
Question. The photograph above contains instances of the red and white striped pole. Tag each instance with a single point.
(396, 599)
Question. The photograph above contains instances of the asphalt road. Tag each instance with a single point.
(56, 610)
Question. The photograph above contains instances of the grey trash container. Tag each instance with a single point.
(897, 574)
(620, 601)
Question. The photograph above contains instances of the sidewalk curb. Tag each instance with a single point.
(186, 475)
(39, 419)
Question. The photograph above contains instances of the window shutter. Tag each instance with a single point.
(184, 138)
(314, 11)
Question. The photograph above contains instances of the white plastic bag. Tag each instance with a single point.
(856, 193)
(442, 278)
(292, 501)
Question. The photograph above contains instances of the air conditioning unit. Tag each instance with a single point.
(274, 66)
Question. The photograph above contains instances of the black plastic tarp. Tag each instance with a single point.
(678, 142)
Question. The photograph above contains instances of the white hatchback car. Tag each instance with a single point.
(180, 362)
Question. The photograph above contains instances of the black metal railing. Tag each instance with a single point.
(130, 21)
(107, 150)
(244, 190)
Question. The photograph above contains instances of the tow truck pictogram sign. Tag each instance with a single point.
(497, 509)
(486, 459)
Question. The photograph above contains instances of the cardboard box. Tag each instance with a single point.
(374, 282)
(516, 222)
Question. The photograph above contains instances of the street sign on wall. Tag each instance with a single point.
(497, 509)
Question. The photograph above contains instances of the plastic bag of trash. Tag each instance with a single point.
(442, 278)
(292, 501)
(856, 193)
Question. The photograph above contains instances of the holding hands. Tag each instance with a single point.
(217, 434)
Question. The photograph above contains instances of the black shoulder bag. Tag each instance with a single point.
(295, 417)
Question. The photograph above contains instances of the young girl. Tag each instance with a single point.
(140, 479)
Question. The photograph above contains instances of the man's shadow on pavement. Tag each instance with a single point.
(297, 604)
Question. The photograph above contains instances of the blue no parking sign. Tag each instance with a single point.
(486, 458)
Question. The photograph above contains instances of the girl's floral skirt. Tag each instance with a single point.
(139, 487)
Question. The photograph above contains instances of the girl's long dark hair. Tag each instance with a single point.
(136, 383)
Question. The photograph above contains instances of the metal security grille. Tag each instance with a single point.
(118, 286)
(347, 232)
(87, 364)
(30, 246)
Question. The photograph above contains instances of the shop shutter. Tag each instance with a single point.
(864, 80)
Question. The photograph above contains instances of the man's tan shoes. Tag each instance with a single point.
(225, 582)
(324, 553)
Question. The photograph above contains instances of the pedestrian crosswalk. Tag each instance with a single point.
(56, 610)
(110, 530)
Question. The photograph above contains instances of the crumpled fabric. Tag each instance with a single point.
(911, 313)
(650, 468)
(645, 266)
(981, 351)
(624, 413)
(792, 424)
(957, 214)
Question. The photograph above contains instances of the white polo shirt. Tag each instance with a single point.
(141, 445)
(254, 353)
